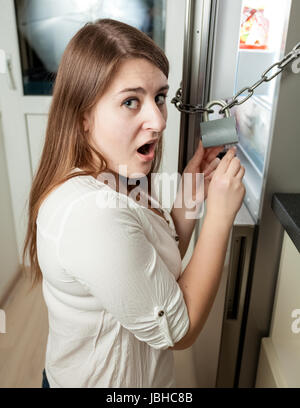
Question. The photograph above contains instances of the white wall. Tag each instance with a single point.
(9, 262)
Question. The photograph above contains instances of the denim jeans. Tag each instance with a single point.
(45, 383)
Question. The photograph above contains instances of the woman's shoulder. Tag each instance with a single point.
(85, 194)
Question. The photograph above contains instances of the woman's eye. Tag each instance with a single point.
(161, 98)
(131, 103)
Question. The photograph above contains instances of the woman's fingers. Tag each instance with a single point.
(234, 167)
(209, 177)
(212, 152)
(212, 166)
(198, 155)
(241, 173)
(209, 153)
(225, 162)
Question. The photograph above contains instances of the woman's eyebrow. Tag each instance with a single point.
(142, 90)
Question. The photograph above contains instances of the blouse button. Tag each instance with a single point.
(161, 313)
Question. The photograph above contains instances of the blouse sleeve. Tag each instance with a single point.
(107, 251)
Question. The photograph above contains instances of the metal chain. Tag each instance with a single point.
(281, 65)
(187, 108)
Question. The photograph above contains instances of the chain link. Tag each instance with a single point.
(187, 108)
(280, 65)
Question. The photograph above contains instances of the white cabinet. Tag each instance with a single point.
(279, 361)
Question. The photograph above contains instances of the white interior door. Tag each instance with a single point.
(23, 121)
(47, 30)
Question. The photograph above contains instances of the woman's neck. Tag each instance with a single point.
(126, 184)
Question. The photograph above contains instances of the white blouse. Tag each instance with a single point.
(109, 269)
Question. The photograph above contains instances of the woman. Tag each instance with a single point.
(118, 302)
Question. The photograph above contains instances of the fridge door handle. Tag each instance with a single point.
(235, 277)
(239, 260)
(12, 83)
(2, 62)
(238, 273)
(6, 67)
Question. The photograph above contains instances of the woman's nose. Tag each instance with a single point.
(154, 118)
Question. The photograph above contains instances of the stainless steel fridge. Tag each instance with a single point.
(228, 45)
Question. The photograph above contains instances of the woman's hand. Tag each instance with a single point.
(203, 161)
(226, 191)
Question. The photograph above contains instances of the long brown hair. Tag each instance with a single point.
(87, 67)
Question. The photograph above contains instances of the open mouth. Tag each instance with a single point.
(147, 150)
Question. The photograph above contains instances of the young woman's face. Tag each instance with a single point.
(131, 113)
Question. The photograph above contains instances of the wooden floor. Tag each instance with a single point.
(23, 346)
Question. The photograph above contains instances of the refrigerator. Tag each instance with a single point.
(228, 44)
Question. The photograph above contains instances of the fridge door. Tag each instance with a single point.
(259, 145)
(250, 38)
(199, 60)
(221, 61)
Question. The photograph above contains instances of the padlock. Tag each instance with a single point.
(218, 132)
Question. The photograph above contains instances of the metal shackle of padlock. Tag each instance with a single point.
(218, 132)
